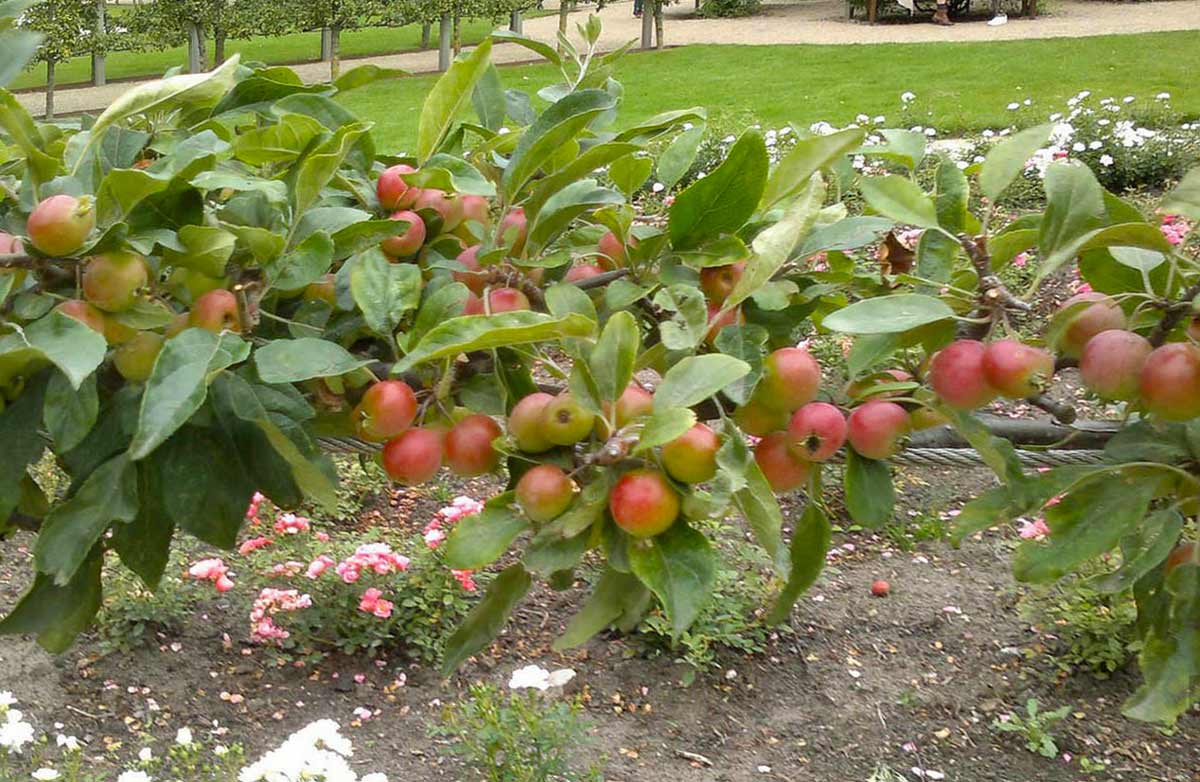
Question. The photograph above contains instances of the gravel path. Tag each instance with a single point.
(813, 22)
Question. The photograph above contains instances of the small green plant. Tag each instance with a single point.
(518, 737)
(359, 479)
(132, 613)
(1095, 630)
(1035, 727)
(885, 773)
(926, 527)
(726, 8)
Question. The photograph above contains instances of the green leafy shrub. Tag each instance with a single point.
(1036, 727)
(132, 613)
(1095, 631)
(726, 8)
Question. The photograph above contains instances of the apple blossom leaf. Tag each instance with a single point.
(480, 539)
(725, 199)
(294, 360)
(665, 425)
(870, 495)
(1170, 653)
(55, 613)
(74, 526)
(1185, 199)
(677, 158)
(893, 314)
(614, 355)
(807, 157)
(384, 291)
(484, 332)
(1006, 160)
(680, 567)
(556, 126)
(487, 618)
(70, 413)
(810, 544)
(70, 345)
(1142, 550)
(613, 596)
(697, 378)
(900, 199)
(449, 96)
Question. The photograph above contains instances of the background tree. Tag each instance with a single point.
(166, 23)
(68, 28)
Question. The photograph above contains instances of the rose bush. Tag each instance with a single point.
(256, 207)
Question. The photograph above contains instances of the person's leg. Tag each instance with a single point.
(942, 15)
(637, 7)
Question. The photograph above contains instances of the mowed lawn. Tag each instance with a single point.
(959, 86)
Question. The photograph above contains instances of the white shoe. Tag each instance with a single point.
(998, 20)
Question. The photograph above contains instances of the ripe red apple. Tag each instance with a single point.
(1103, 314)
(323, 289)
(643, 503)
(60, 224)
(385, 410)
(718, 320)
(1170, 382)
(1183, 554)
(1112, 361)
(409, 242)
(514, 230)
(757, 419)
(476, 209)
(692, 457)
(445, 204)
(957, 377)
(84, 313)
(582, 271)
(471, 277)
(565, 421)
(112, 281)
(791, 378)
(1017, 370)
(414, 457)
(135, 358)
(545, 492)
(877, 429)
(612, 252)
(718, 282)
(880, 588)
(780, 467)
(216, 311)
(526, 423)
(469, 450)
(816, 432)
(634, 402)
(394, 193)
(499, 300)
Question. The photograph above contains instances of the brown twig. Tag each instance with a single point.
(994, 297)
(1174, 314)
(1062, 412)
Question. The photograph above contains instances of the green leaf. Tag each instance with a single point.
(906, 147)
(179, 384)
(1170, 655)
(807, 157)
(616, 594)
(70, 413)
(384, 291)
(676, 160)
(441, 305)
(68, 344)
(19, 125)
(556, 126)
(747, 343)
(810, 544)
(1019, 497)
(206, 249)
(282, 142)
(899, 198)
(581, 167)
(479, 332)
(665, 425)
(305, 264)
(936, 254)
(774, 246)
(953, 193)
(363, 75)
(144, 544)
(544, 50)
(688, 326)
(564, 206)
(314, 476)
(870, 495)
(1089, 521)
(452, 174)
(318, 168)
(208, 490)
(479, 540)
(488, 99)
(614, 355)
(57, 614)
(1142, 550)
(1185, 199)
(73, 527)
(630, 172)
(848, 234)
(487, 618)
(1006, 246)
(756, 500)
(888, 314)
(449, 96)
(1074, 207)
(697, 378)
(293, 360)
(680, 567)
(1006, 160)
(725, 199)
(23, 444)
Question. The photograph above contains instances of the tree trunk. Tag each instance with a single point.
(326, 45)
(563, 9)
(457, 43)
(219, 35)
(647, 27)
(514, 22)
(99, 78)
(335, 52)
(658, 24)
(202, 45)
(426, 34)
(193, 48)
(49, 89)
(444, 43)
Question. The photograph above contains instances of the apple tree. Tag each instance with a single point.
(220, 276)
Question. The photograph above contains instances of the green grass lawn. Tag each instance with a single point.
(959, 86)
(291, 48)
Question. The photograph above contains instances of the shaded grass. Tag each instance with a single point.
(959, 86)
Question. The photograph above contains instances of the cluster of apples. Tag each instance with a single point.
(1115, 363)
(644, 500)
(113, 282)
